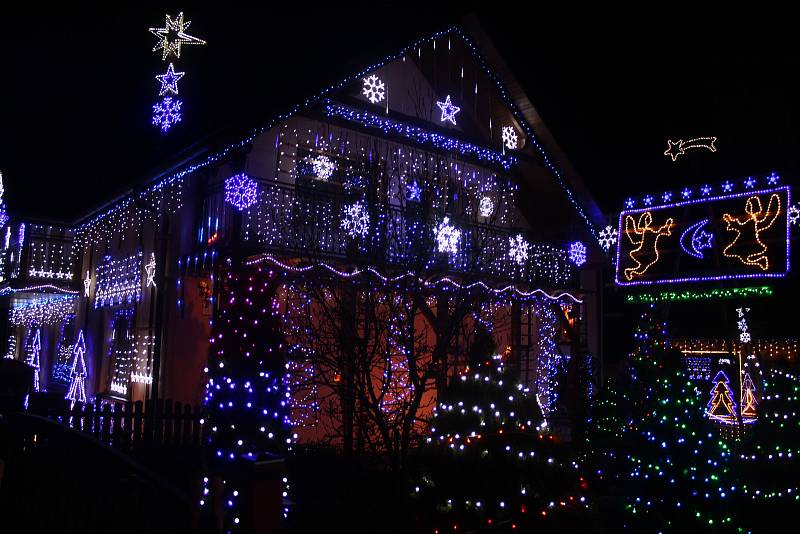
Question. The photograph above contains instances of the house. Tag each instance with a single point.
(404, 208)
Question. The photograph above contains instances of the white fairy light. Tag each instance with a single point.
(518, 249)
(486, 206)
(323, 167)
(355, 219)
(447, 237)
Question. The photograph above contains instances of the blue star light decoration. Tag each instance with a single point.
(686, 193)
(577, 253)
(702, 241)
(629, 203)
(448, 110)
(705, 190)
(172, 36)
(750, 182)
(648, 200)
(167, 113)
(413, 191)
(241, 191)
(727, 186)
(773, 179)
(666, 197)
(169, 81)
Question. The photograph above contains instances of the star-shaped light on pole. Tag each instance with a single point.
(169, 81)
(172, 36)
(448, 110)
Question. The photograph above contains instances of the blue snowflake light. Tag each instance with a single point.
(166, 113)
(577, 253)
(241, 191)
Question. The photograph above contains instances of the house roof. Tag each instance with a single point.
(218, 146)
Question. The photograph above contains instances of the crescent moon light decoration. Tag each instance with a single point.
(698, 240)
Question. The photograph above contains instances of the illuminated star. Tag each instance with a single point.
(674, 149)
(687, 193)
(705, 190)
(648, 200)
(172, 36)
(773, 178)
(448, 110)
(702, 240)
(666, 197)
(630, 203)
(749, 183)
(727, 186)
(169, 81)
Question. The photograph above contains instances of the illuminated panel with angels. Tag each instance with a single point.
(727, 237)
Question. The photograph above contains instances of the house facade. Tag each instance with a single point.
(405, 210)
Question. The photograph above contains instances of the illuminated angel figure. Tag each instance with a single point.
(753, 250)
(647, 244)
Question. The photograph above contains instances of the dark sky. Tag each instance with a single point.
(77, 87)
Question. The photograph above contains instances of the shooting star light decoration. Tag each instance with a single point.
(679, 147)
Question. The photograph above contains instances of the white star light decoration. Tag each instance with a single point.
(150, 270)
(413, 191)
(448, 110)
(355, 219)
(172, 36)
(486, 206)
(167, 113)
(374, 89)
(518, 249)
(510, 139)
(169, 81)
(447, 237)
(241, 191)
(323, 167)
(608, 237)
(577, 253)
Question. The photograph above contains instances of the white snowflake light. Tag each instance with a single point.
(447, 237)
(486, 206)
(323, 167)
(510, 138)
(744, 337)
(355, 219)
(608, 237)
(374, 89)
(577, 253)
(518, 249)
(241, 191)
(794, 214)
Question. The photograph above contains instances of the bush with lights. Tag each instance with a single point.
(246, 393)
(490, 462)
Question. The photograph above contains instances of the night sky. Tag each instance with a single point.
(77, 89)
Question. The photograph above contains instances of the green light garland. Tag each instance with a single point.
(709, 294)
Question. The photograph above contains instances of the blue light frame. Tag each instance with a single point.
(704, 200)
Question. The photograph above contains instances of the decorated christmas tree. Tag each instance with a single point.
(490, 462)
(77, 374)
(246, 395)
(721, 407)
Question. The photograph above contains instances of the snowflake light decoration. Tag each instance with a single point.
(323, 167)
(241, 191)
(518, 249)
(486, 206)
(447, 237)
(167, 113)
(355, 219)
(744, 337)
(374, 89)
(577, 253)
(510, 139)
(448, 110)
(794, 214)
(608, 237)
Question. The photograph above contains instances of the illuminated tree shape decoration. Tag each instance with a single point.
(721, 407)
(33, 357)
(518, 249)
(749, 400)
(448, 110)
(608, 237)
(757, 220)
(510, 139)
(323, 167)
(241, 191)
(374, 89)
(169, 81)
(172, 36)
(167, 113)
(77, 374)
(577, 253)
(355, 219)
(447, 237)
(486, 206)
(647, 244)
(12, 347)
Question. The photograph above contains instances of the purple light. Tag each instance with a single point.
(577, 253)
(167, 113)
(666, 197)
(705, 190)
(241, 191)
(648, 200)
(750, 182)
(706, 278)
(773, 179)
(686, 193)
(630, 203)
(727, 186)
